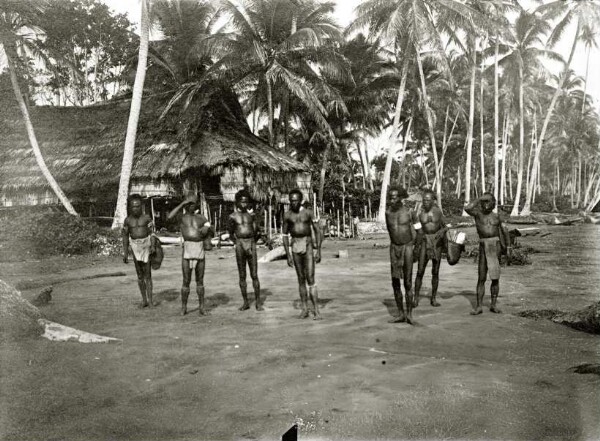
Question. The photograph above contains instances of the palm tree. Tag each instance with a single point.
(410, 26)
(522, 61)
(587, 16)
(19, 32)
(134, 115)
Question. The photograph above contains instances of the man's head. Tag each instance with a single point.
(488, 202)
(295, 200)
(395, 196)
(135, 205)
(243, 200)
(428, 199)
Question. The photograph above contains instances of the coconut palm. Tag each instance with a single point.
(522, 62)
(18, 32)
(586, 14)
(134, 115)
(410, 26)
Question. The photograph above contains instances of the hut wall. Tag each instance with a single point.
(151, 187)
(29, 198)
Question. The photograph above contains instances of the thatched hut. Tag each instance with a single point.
(208, 149)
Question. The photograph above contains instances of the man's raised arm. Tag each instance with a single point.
(473, 207)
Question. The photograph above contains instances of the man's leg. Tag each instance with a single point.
(310, 280)
(240, 259)
(481, 276)
(495, 290)
(148, 277)
(299, 264)
(185, 287)
(407, 271)
(420, 273)
(139, 270)
(200, 286)
(435, 280)
(253, 266)
(398, 297)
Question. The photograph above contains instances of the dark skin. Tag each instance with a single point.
(138, 226)
(194, 228)
(243, 225)
(299, 223)
(432, 222)
(488, 225)
(399, 222)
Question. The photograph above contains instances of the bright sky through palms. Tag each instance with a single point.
(345, 14)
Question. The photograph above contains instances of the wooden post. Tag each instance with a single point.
(315, 210)
(265, 216)
(344, 223)
(351, 220)
(152, 211)
(270, 218)
(338, 223)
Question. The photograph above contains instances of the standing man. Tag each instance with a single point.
(195, 228)
(399, 222)
(243, 231)
(430, 240)
(491, 236)
(137, 230)
(298, 223)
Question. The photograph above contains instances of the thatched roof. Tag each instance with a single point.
(83, 147)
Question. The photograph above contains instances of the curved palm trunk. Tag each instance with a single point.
(470, 132)
(392, 149)
(134, 115)
(515, 209)
(271, 117)
(527, 207)
(438, 182)
(10, 55)
(323, 171)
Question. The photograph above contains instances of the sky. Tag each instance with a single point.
(344, 13)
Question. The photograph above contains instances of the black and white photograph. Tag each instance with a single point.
(299, 220)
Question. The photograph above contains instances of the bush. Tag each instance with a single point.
(47, 232)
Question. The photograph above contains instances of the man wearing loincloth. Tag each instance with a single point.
(399, 221)
(243, 232)
(305, 237)
(492, 239)
(431, 229)
(137, 234)
(195, 228)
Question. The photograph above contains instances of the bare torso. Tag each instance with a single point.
(138, 227)
(191, 224)
(399, 225)
(243, 223)
(431, 221)
(298, 224)
(487, 225)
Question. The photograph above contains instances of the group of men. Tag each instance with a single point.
(302, 241)
(414, 235)
(420, 235)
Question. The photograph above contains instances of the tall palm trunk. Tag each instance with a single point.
(481, 134)
(515, 210)
(438, 183)
(134, 115)
(504, 158)
(470, 129)
(393, 139)
(527, 207)
(270, 110)
(11, 55)
(496, 117)
(324, 171)
(404, 144)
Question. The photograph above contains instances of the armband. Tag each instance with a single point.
(206, 224)
(417, 226)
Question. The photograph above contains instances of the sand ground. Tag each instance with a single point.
(251, 375)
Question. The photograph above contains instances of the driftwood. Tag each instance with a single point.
(586, 319)
(275, 254)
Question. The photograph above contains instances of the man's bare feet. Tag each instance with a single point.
(259, 307)
(434, 302)
(244, 307)
(202, 312)
(317, 316)
(495, 309)
(183, 310)
(400, 319)
(476, 311)
(304, 314)
(416, 300)
(143, 305)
